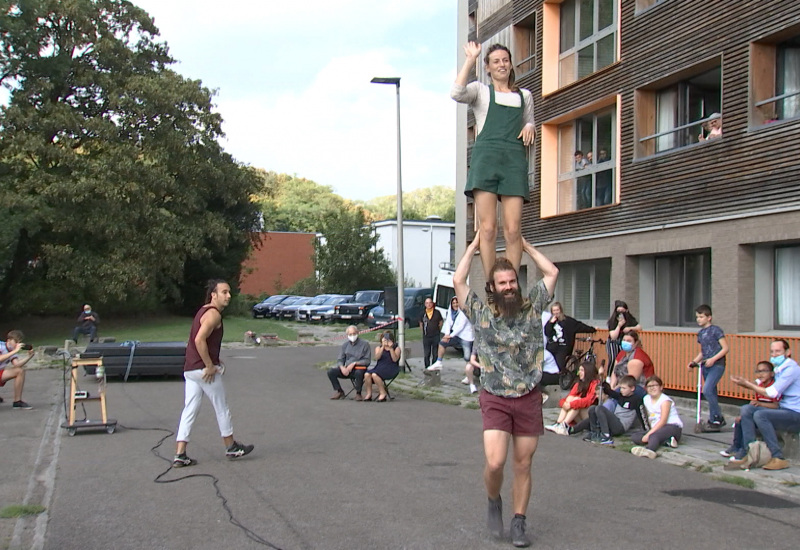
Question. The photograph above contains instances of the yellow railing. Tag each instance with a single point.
(672, 351)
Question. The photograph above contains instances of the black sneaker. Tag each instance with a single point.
(606, 439)
(21, 405)
(517, 531)
(495, 517)
(237, 450)
(717, 422)
(591, 436)
(182, 460)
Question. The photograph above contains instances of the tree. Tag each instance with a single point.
(417, 204)
(113, 186)
(349, 258)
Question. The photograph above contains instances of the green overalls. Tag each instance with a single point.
(498, 163)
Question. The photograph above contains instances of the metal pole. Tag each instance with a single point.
(401, 301)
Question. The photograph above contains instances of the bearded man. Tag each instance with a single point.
(509, 345)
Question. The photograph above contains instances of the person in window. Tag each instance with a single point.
(580, 162)
(589, 158)
(620, 323)
(499, 167)
(713, 126)
(603, 156)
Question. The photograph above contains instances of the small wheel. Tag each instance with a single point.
(110, 429)
(72, 431)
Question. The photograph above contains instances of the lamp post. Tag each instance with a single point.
(401, 301)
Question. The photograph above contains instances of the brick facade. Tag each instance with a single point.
(279, 261)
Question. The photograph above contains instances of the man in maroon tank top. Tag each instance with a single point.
(202, 371)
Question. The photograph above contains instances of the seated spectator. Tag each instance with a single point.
(662, 415)
(580, 162)
(604, 424)
(765, 377)
(632, 361)
(713, 126)
(354, 358)
(11, 366)
(786, 417)
(457, 331)
(387, 355)
(87, 324)
(576, 405)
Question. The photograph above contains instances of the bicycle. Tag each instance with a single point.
(567, 377)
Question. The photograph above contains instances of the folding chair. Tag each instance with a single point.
(353, 380)
(386, 384)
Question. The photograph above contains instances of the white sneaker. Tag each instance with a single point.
(465, 381)
(672, 442)
(545, 397)
(561, 429)
(552, 427)
(643, 451)
(436, 366)
(473, 388)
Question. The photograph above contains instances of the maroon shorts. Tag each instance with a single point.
(515, 415)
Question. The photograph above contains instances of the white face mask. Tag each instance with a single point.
(352, 337)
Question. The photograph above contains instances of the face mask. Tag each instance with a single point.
(87, 311)
(352, 337)
(626, 346)
(777, 361)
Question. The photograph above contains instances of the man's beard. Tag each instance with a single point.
(508, 303)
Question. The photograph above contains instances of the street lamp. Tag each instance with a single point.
(401, 301)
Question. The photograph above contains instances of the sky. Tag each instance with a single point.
(293, 85)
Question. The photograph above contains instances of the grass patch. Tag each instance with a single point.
(624, 446)
(19, 510)
(790, 483)
(688, 464)
(52, 331)
(472, 405)
(736, 480)
(444, 400)
(704, 469)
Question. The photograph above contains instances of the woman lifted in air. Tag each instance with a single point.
(498, 167)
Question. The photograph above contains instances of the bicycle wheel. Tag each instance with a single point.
(566, 378)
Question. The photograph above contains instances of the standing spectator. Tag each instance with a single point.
(620, 323)
(87, 324)
(499, 166)
(765, 377)
(387, 367)
(354, 358)
(457, 331)
(786, 417)
(575, 406)
(431, 324)
(203, 371)
(662, 415)
(11, 366)
(713, 349)
(560, 334)
(509, 344)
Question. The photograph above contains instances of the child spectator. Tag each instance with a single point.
(713, 349)
(665, 424)
(604, 424)
(765, 377)
(576, 405)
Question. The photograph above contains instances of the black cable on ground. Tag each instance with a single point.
(215, 481)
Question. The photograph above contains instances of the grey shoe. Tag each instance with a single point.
(518, 536)
(238, 450)
(495, 517)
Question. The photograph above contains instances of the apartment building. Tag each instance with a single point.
(664, 214)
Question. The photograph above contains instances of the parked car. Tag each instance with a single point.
(277, 311)
(318, 300)
(263, 309)
(324, 313)
(414, 304)
(357, 310)
(290, 311)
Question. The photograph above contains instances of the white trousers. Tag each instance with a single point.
(194, 389)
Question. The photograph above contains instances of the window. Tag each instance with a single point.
(642, 5)
(587, 38)
(787, 287)
(525, 45)
(584, 289)
(586, 152)
(775, 79)
(673, 112)
(683, 282)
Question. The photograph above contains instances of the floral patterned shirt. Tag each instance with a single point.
(510, 352)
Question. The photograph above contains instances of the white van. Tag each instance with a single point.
(443, 290)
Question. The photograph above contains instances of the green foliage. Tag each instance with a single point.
(114, 189)
(19, 510)
(305, 287)
(745, 482)
(348, 259)
(417, 205)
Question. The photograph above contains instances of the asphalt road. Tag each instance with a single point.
(346, 475)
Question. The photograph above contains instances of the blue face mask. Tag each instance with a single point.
(626, 346)
(777, 361)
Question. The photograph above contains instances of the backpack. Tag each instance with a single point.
(758, 454)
